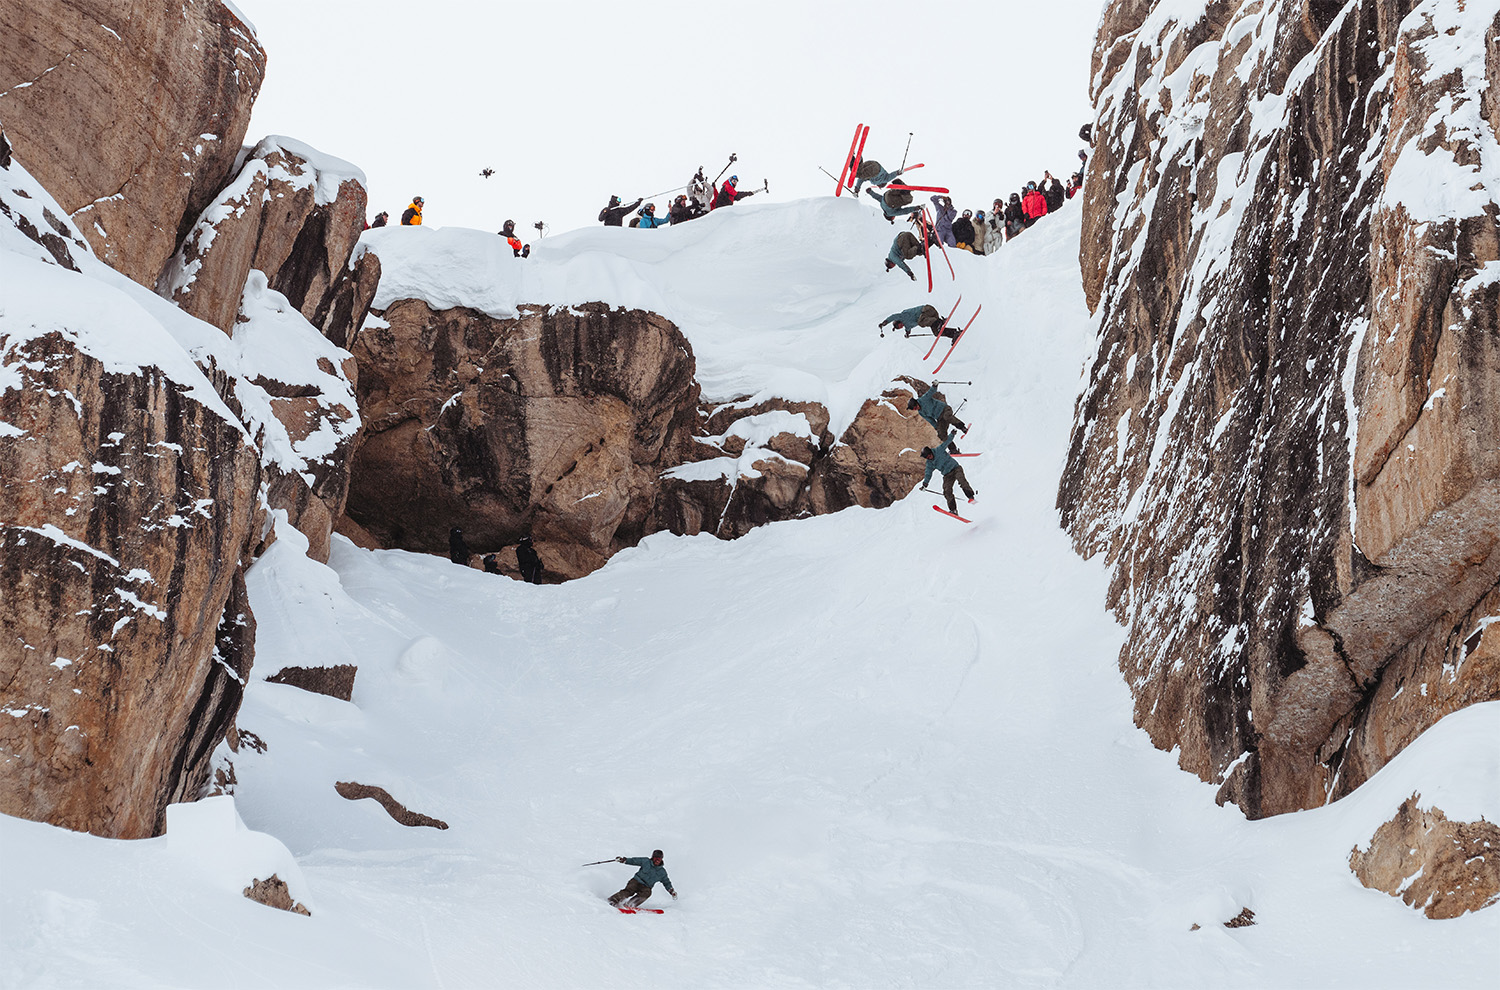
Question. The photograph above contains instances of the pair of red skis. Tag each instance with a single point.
(856, 157)
(960, 336)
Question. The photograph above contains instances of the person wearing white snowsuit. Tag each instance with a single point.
(938, 460)
(701, 191)
(638, 888)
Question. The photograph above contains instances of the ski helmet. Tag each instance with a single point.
(656, 854)
(733, 179)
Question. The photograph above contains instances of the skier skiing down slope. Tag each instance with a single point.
(728, 194)
(530, 561)
(638, 888)
(925, 317)
(871, 171)
(613, 215)
(894, 203)
(938, 460)
(931, 407)
(905, 247)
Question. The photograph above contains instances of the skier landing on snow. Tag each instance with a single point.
(638, 888)
(938, 460)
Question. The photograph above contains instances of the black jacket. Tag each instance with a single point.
(963, 231)
(1055, 196)
(1013, 211)
(614, 216)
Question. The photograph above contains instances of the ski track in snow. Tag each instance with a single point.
(880, 748)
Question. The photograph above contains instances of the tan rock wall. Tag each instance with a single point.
(1442, 868)
(130, 112)
(1286, 445)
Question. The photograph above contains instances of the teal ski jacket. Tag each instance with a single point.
(940, 462)
(931, 408)
(649, 873)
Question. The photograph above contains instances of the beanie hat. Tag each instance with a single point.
(656, 854)
(913, 404)
(926, 453)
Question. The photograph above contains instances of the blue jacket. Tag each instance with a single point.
(649, 873)
(891, 212)
(907, 317)
(931, 408)
(940, 462)
(649, 222)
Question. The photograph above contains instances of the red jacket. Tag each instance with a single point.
(1034, 204)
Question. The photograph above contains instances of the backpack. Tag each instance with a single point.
(635, 221)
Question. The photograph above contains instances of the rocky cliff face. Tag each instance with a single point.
(143, 450)
(1286, 447)
(583, 427)
(130, 114)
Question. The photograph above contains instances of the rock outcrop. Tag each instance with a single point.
(131, 115)
(1286, 444)
(129, 504)
(1441, 867)
(353, 791)
(583, 427)
(273, 892)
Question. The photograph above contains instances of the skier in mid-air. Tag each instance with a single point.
(871, 171)
(926, 317)
(894, 203)
(638, 888)
(931, 407)
(905, 247)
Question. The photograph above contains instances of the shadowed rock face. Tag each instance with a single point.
(584, 428)
(1286, 445)
(131, 114)
(125, 633)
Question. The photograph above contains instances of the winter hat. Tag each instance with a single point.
(656, 854)
(913, 404)
(526, 539)
(926, 453)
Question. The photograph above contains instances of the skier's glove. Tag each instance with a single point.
(619, 859)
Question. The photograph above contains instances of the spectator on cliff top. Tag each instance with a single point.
(994, 240)
(1033, 204)
(981, 233)
(701, 192)
(649, 219)
(381, 219)
(943, 206)
(1015, 216)
(963, 231)
(729, 193)
(508, 231)
(905, 247)
(613, 214)
(1075, 183)
(491, 564)
(1052, 191)
(458, 550)
(413, 215)
(681, 211)
(1086, 133)
(529, 561)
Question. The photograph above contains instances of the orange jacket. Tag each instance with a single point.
(412, 217)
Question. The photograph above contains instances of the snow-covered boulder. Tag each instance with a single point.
(1285, 444)
(131, 115)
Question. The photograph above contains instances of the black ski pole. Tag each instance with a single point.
(732, 159)
(960, 406)
(907, 151)
(954, 383)
(601, 861)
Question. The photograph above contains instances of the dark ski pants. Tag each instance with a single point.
(947, 421)
(957, 474)
(634, 894)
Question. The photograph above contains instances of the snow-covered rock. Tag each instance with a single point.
(1285, 444)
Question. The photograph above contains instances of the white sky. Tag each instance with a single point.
(570, 101)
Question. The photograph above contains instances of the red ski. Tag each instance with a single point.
(938, 336)
(935, 189)
(851, 160)
(955, 515)
(951, 273)
(956, 340)
(639, 910)
(952, 454)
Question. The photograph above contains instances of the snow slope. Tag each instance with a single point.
(880, 748)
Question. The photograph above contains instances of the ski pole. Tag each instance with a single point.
(600, 861)
(732, 159)
(664, 192)
(907, 151)
(961, 404)
(954, 383)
